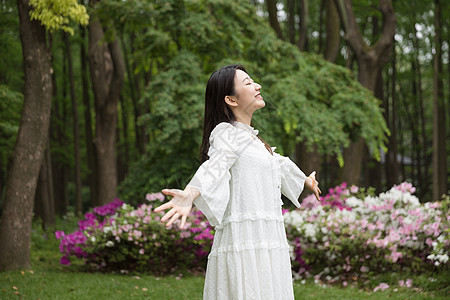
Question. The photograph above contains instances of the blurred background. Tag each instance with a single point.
(106, 98)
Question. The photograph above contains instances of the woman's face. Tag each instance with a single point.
(248, 96)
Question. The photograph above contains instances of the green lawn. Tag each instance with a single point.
(49, 280)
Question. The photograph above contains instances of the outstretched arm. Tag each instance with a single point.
(180, 204)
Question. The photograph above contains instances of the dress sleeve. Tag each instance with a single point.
(212, 178)
(292, 178)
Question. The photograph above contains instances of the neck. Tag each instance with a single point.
(245, 117)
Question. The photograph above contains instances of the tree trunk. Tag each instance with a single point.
(321, 17)
(333, 32)
(107, 72)
(417, 146)
(138, 129)
(59, 167)
(352, 162)
(392, 172)
(425, 144)
(76, 133)
(45, 206)
(122, 143)
(273, 17)
(370, 60)
(90, 147)
(15, 228)
(308, 161)
(439, 139)
(303, 24)
(291, 20)
(374, 167)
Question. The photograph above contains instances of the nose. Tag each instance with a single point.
(257, 86)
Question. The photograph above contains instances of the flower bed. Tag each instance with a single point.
(118, 237)
(349, 233)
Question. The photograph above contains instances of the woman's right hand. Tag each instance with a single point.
(180, 204)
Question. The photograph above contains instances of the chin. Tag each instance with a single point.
(261, 104)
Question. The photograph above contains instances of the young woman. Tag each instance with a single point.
(238, 187)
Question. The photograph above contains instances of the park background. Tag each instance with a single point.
(104, 99)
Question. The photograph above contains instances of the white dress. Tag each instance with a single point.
(240, 194)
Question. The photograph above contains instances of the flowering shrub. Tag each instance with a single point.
(349, 232)
(354, 232)
(118, 236)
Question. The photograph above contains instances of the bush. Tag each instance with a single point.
(118, 237)
(352, 233)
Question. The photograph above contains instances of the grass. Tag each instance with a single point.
(49, 280)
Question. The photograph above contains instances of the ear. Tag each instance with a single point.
(230, 101)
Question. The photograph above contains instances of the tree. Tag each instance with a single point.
(370, 58)
(320, 109)
(30, 145)
(76, 134)
(273, 17)
(15, 228)
(439, 124)
(107, 73)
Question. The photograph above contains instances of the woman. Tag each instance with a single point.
(238, 187)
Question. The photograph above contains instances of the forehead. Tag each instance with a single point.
(240, 75)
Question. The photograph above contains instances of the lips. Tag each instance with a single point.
(258, 95)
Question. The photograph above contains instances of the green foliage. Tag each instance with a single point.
(308, 99)
(10, 109)
(174, 125)
(56, 14)
(10, 47)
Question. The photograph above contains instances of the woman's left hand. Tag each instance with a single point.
(313, 184)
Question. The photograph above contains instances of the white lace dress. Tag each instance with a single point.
(240, 194)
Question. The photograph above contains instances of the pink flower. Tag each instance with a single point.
(141, 251)
(354, 189)
(395, 255)
(154, 197)
(408, 282)
(185, 234)
(383, 286)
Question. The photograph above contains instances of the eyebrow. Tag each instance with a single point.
(246, 78)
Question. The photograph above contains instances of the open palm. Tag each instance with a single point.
(180, 206)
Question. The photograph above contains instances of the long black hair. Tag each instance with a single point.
(220, 84)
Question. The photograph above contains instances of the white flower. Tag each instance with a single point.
(407, 220)
(109, 243)
(93, 239)
(107, 229)
(353, 202)
(310, 230)
(443, 258)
